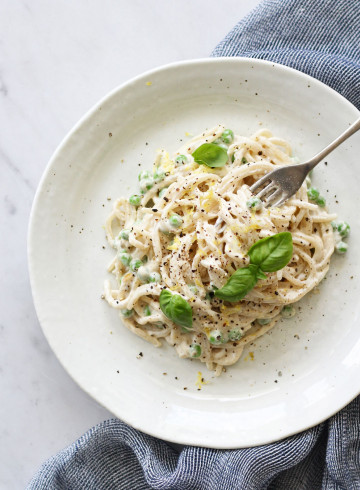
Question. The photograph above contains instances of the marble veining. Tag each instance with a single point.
(3, 87)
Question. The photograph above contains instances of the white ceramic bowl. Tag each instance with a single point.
(306, 369)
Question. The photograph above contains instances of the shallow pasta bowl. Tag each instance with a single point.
(306, 368)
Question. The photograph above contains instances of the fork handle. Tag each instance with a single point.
(344, 136)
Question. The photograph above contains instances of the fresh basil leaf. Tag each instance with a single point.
(260, 275)
(176, 308)
(272, 253)
(239, 284)
(210, 155)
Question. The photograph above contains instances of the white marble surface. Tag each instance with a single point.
(56, 60)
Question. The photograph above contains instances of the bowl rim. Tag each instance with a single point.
(31, 227)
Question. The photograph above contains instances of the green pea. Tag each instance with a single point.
(135, 200)
(341, 248)
(288, 311)
(263, 321)
(181, 160)
(228, 136)
(117, 243)
(154, 277)
(243, 160)
(147, 311)
(343, 228)
(135, 264)
(146, 184)
(124, 234)
(321, 201)
(143, 273)
(159, 175)
(195, 350)
(235, 335)
(313, 194)
(127, 313)
(175, 220)
(193, 288)
(164, 229)
(163, 191)
(144, 174)
(125, 258)
(216, 337)
(254, 203)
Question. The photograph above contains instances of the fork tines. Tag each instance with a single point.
(269, 194)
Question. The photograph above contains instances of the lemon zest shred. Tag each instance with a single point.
(253, 226)
(166, 163)
(175, 245)
(250, 356)
(198, 283)
(200, 381)
(207, 199)
(233, 309)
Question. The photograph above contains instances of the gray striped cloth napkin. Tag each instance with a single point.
(321, 38)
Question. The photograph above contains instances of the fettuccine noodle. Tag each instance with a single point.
(216, 230)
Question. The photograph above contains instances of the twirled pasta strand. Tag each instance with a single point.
(217, 231)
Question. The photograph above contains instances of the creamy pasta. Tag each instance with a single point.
(190, 229)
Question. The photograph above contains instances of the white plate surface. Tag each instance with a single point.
(306, 369)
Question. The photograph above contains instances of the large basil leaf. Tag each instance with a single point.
(210, 155)
(176, 308)
(239, 284)
(272, 253)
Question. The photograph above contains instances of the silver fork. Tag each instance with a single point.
(285, 181)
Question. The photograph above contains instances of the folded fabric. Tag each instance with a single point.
(321, 38)
(318, 37)
(113, 455)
